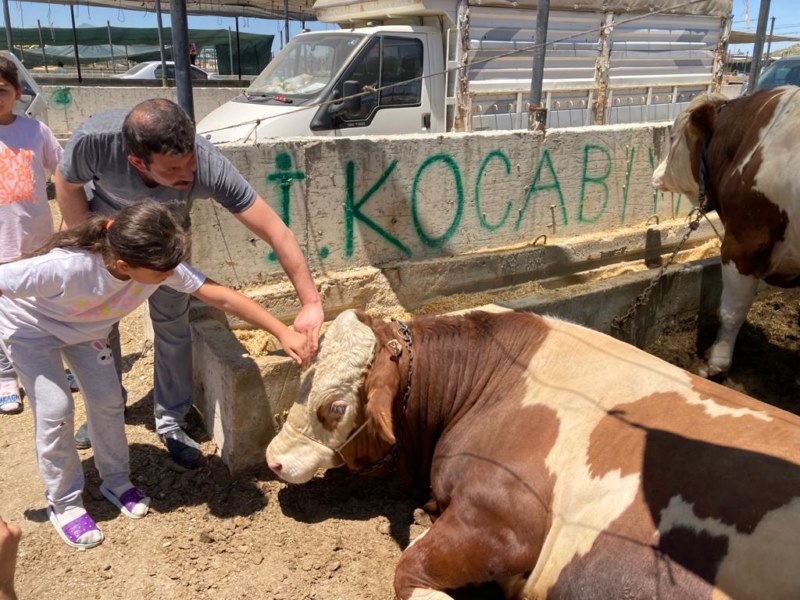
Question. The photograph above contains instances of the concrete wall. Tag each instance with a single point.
(392, 202)
(68, 106)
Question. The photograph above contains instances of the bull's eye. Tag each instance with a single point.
(338, 407)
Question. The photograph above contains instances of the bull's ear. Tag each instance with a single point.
(703, 116)
(381, 387)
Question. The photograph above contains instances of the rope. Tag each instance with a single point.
(227, 248)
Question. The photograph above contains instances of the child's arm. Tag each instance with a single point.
(235, 303)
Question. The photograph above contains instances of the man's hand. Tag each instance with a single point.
(9, 543)
(308, 322)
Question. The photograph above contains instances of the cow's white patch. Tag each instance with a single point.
(420, 594)
(582, 394)
(714, 409)
(304, 445)
(680, 513)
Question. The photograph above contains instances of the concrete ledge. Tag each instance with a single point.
(243, 397)
(410, 284)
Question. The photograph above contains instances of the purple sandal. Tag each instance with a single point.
(132, 502)
(72, 531)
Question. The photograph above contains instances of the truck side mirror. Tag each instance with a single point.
(327, 116)
(350, 102)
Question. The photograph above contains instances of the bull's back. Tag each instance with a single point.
(680, 480)
(760, 184)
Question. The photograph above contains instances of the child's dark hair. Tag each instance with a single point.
(8, 71)
(145, 235)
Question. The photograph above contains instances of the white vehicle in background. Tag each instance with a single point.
(152, 69)
(465, 65)
(32, 103)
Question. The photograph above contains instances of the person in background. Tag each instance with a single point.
(10, 535)
(27, 149)
(60, 67)
(153, 153)
(192, 52)
(62, 301)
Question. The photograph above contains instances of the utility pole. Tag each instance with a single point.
(769, 39)
(537, 114)
(75, 43)
(9, 35)
(180, 55)
(160, 24)
(758, 49)
(286, 21)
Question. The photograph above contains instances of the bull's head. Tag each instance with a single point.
(343, 414)
(679, 171)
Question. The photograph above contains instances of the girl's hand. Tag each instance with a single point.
(296, 346)
(309, 322)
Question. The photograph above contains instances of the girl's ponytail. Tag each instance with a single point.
(91, 235)
(145, 235)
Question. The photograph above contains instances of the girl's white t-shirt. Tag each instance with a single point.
(27, 148)
(70, 294)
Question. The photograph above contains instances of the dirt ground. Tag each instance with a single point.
(336, 538)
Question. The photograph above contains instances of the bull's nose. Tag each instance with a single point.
(275, 466)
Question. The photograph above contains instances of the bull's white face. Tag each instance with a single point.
(675, 173)
(330, 403)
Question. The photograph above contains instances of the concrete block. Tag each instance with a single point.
(238, 395)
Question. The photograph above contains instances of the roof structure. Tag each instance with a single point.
(745, 37)
(299, 10)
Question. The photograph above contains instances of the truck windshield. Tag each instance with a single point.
(306, 65)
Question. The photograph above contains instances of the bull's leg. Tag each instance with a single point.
(738, 292)
(450, 555)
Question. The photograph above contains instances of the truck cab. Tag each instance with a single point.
(375, 80)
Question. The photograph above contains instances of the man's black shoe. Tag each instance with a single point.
(82, 441)
(183, 450)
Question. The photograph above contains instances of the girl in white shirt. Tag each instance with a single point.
(62, 302)
(27, 148)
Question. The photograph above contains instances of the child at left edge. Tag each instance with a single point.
(63, 301)
(27, 148)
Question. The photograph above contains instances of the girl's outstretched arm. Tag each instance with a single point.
(294, 343)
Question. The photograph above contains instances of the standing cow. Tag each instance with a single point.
(748, 151)
(562, 463)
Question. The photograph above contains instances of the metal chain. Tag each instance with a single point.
(394, 451)
(642, 299)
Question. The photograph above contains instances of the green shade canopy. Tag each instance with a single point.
(299, 10)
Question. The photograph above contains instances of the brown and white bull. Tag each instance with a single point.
(750, 149)
(562, 463)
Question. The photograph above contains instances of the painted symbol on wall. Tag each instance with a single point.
(283, 178)
(61, 98)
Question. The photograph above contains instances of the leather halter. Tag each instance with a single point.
(392, 453)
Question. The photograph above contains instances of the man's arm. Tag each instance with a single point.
(72, 202)
(266, 224)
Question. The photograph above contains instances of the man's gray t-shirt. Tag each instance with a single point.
(96, 153)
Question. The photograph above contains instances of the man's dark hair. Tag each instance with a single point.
(8, 71)
(158, 126)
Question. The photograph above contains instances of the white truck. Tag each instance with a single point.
(465, 65)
